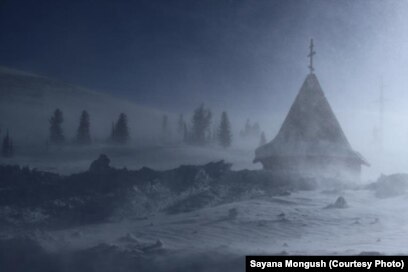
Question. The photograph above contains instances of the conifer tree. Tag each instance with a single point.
(251, 130)
(83, 132)
(224, 131)
(56, 132)
(7, 149)
(201, 123)
(121, 130)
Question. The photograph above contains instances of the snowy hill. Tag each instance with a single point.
(28, 100)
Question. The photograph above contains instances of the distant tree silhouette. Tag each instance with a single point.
(121, 130)
(7, 149)
(200, 127)
(56, 132)
(256, 129)
(263, 139)
(251, 130)
(224, 131)
(83, 133)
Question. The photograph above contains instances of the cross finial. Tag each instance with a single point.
(310, 56)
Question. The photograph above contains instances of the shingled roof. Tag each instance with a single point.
(310, 129)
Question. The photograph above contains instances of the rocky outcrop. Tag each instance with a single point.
(340, 203)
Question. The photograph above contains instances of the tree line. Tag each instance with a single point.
(119, 132)
(198, 132)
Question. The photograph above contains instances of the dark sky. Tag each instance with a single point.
(177, 53)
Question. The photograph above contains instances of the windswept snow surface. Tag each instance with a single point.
(211, 240)
(297, 224)
(198, 218)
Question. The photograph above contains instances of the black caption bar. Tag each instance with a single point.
(324, 263)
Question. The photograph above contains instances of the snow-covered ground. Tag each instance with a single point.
(299, 223)
(217, 238)
(218, 234)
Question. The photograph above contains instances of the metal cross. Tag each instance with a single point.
(311, 54)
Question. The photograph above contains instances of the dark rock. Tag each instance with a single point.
(100, 165)
(339, 204)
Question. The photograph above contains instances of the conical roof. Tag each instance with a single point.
(310, 129)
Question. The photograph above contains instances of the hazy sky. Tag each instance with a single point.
(243, 55)
(154, 51)
(248, 57)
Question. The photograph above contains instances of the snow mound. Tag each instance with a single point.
(391, 185)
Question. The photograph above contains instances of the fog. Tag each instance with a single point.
(174, 180)
(251, 61)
